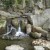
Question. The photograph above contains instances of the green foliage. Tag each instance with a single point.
(8, 3)
(19, 1)
(27, 2)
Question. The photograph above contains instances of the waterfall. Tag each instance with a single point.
(13, 33)
(19, 28)
(19, 32)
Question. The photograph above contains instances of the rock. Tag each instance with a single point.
(8, 15)
(41, 42)
(14, 47)
(2, 26)
(40, 4)
(36, 35)
(15, 22)
(28, 17)
(28, 28)
(38, 20)
(46, 25)
(38, 48)
(39, 29)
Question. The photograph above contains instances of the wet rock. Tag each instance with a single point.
(38, 20)
(2, 26)
(8, 15)
(28, 28)
(41, 42)
(14, 47)
(46, 25)
(23, 25)
(40, 4)
(15, 22)
(43, 33)
(36, 35)
(38, 48)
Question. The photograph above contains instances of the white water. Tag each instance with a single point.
(18, 33)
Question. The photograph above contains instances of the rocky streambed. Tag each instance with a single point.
(39, 31)
(25, 43)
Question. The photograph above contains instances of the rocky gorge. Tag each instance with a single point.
(24, 25)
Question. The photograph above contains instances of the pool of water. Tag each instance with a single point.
(25, 43)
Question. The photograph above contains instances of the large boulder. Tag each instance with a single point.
(36, 34)
(40, 20)
(15, 22)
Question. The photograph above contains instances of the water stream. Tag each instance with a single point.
(24, 42)
(14, 33)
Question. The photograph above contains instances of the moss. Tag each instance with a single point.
(33, 35)
(2, 21)
(2, 26)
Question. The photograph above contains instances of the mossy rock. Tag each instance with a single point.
(2, 26)
(23, 27)
(35, 34)
(15, 23)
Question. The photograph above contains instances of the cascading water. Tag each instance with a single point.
(19, 32)
(13, 33)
